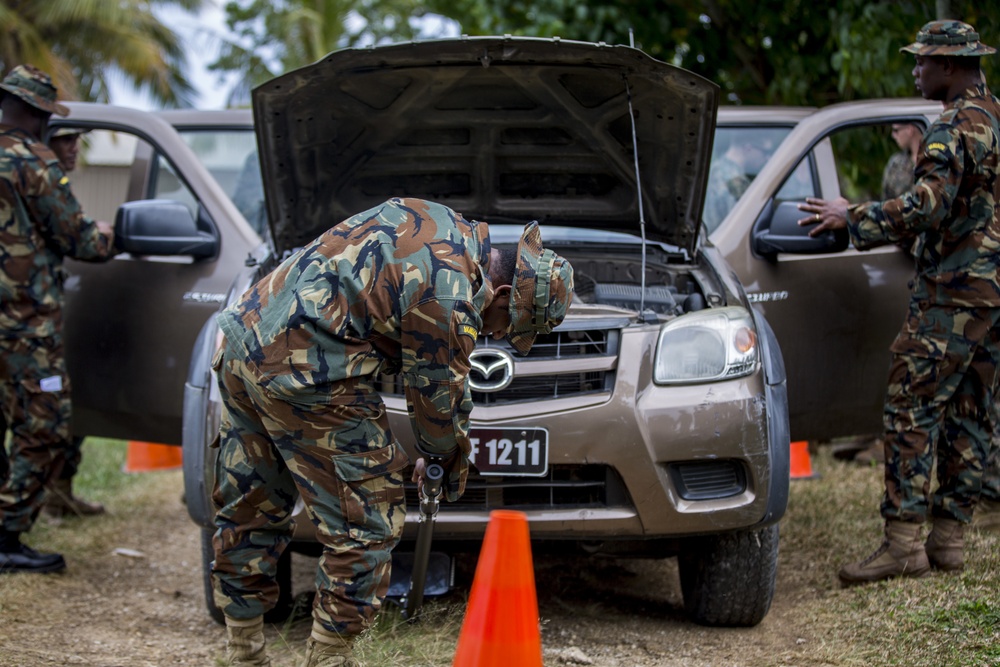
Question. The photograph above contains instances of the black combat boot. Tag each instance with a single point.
(16, 557)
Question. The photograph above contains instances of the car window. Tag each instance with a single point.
(165, 184)
(801, 183)
(737, 157)
(231, 157)
(863, 154)
(103, 172)
(112, 169)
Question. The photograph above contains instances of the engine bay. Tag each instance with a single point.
(615, 280)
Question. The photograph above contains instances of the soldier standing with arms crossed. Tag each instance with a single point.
(942, 379)
(40, 223)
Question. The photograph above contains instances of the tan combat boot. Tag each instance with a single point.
(946, 544)
(245, 643)
(60, 502)
(901, 554)
(987, 514)
(873, 454)
(329, 649)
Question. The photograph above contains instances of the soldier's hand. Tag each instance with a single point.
(826, 215)
(419, 470)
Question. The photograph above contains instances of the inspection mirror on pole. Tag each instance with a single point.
(423, 573)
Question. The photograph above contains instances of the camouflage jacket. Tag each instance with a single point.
(953, 203)
(897, 177)
(399, 288)
(41, 222)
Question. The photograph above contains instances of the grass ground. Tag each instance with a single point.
(941, 620)
(937, 621)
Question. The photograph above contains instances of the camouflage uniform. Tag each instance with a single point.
(943, 373)
(897, 177)
(991, 476)
(40, 223)
(397, 289)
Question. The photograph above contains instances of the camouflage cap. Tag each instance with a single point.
(542, 290)
(34, 87)
(948, 38)
(67, 132)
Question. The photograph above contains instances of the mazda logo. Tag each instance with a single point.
(492, 370)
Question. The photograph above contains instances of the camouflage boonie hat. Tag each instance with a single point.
(948, 38)
(34, 87)
(542, 290)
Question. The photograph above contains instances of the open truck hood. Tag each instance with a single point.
(500, 129)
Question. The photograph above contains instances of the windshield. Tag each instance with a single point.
(737, 157)
(230, 155)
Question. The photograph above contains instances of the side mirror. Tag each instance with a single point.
(162, 227)
(777, 230)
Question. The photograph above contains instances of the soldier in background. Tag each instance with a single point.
(731, 174)
(987, 516)
(60, 501)
(65, 143)
(40, 223)
(942, 379)
(403, 288)
(897, 177)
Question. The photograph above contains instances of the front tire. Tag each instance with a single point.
(729, 579)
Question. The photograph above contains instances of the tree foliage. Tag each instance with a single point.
(275, 36)
(770, 51)
(83, 43)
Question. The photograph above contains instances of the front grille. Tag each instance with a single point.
(540, 387)
(707, 480)
(561, 344)
(530, 384)
(565, 486)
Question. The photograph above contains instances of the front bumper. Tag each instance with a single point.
(651, 445)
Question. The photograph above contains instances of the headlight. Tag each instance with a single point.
(706, 345)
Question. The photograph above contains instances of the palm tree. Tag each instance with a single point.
(81, 43)
(272, 37)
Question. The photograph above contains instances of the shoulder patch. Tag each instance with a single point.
(64, 180)
(936, 146)
(468, 330)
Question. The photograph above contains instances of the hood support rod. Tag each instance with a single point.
(643, 316)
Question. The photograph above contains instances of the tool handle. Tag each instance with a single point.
(430, 493)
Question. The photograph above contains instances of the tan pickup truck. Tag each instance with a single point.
(644, 424)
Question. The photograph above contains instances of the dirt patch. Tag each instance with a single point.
(630, 613)
(138, 601)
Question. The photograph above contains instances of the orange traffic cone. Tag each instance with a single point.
(801, 463)
(146, 456)
(501, 626)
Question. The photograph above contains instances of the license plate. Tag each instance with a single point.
(515, 452)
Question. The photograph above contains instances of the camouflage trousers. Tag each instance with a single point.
(991, 477)
(35, 396)
(334, 450)
(940, 409)
(72, 457)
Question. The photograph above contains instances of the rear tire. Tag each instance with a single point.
(281, 611)
(729, 579)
